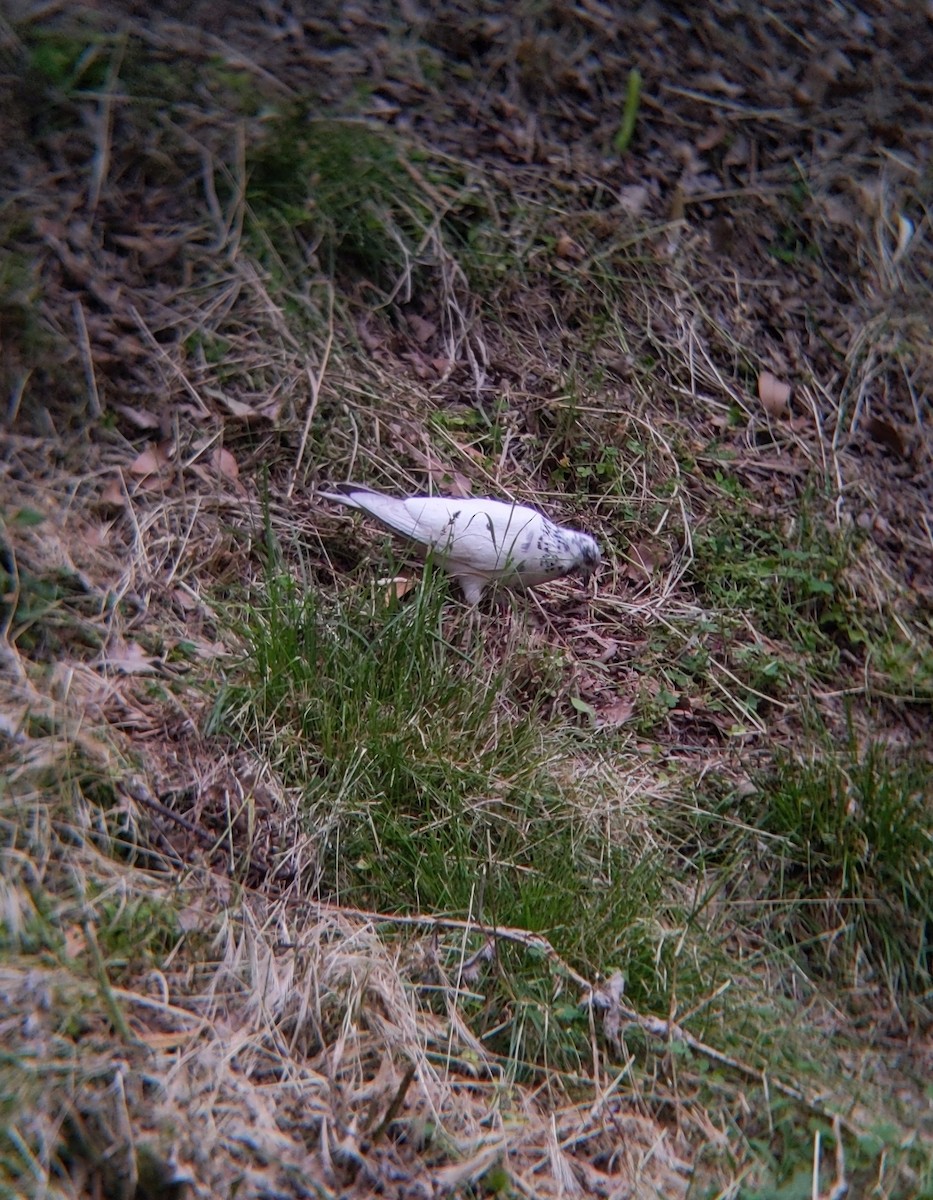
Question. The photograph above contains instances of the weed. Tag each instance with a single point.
(341, 186)
(789, 582)
(430, 782)
(853, 868)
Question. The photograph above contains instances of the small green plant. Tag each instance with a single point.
(623, 137)
(430, 780)
(853, 867)
(66, 61)
(342, 185)
(790, 582)
(135, 934)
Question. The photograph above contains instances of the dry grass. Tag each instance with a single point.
(203, 319)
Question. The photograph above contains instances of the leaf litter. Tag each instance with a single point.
(301, 1021)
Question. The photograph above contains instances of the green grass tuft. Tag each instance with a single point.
(434, 781)
(340, 186)
(854, 868)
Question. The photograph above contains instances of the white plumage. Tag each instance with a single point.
(480, 541)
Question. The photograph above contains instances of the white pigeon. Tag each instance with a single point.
(480, 541)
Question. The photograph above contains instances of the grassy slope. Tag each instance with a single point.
(309, 886)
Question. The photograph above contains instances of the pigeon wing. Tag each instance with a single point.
(486, 536)
(424, 519)
(483, 534)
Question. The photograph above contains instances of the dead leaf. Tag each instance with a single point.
(615, 714)
(715, 81)
(97, 535)
(714, 136)
(721, 236)
(678, 206)
(774, 394)
(153, 251)
(641, 563)
(371, 341)
(887, 435)
(454, 484)
(837, 210)
(738, 154)
(567, 248)
(905, 232)
(75, 941)
(633, 198)
(225, 464)
(422, 329)
(236, 408)
(421, 365)
(210, 650)
(608, 999)
(472, 969)
(610, 647)
(398, 587)
(184, 599)
(128, 658)
(114, 493)
(189, 918)
(151, 461)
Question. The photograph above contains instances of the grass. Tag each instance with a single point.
(341, 187)
(433, 779)
(855, 864)
(303, 888)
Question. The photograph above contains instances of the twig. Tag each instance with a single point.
(655, 1027)
(105, 128)
(315, 380)
(87, 360)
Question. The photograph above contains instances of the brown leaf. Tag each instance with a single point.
(615, 714)
(887, 435)
(151, 461)
(225, 464)
(152, 250)
(422, 329)
(641, 562)
(774, 394)
(421, 365)
(456, 484)
(75, 941)
(190, 918)
(184, 599)
(678, 206)
(633, 198)
(567, 248)
(210, 650)
(400, 586)
(472, 969)
(714, 136)
(129, 658)
(97, 535)
(114, 493)
(371, 341)
(738, 153)
(715, 81)
(236, 408)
